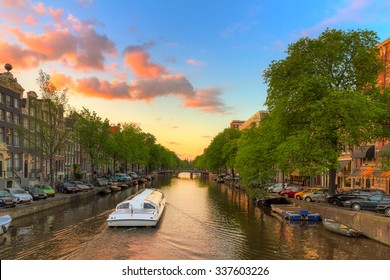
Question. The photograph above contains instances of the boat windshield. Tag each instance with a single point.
(124, 206)
(149, 206)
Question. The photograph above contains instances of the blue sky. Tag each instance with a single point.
(182, 70)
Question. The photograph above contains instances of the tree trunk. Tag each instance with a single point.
(332, 181)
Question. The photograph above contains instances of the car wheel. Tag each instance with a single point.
(356, 206)
(308, 199)
(387, 211)
(298, 197)
(334, 202)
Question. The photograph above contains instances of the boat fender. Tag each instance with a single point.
(4, 228)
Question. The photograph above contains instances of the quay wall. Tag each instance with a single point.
(41, 205)
(372, 225)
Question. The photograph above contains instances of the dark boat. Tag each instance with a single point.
(340, 228)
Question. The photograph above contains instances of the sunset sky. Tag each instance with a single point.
(181, 70)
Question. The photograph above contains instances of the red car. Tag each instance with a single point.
(291, 191)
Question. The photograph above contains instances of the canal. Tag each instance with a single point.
(203, 220)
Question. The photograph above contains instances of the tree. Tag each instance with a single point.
(324, 96)
(222, 150)
(50, 119)
(92, 133)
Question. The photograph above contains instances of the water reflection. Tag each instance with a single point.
(203, 220)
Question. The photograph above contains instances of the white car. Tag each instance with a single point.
(278, 187)
(21, 195)
(318, 195)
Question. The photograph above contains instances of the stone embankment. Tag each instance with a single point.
(372, 225)
(41, 205)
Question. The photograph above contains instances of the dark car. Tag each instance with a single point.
(384, 207)
(339, 199)
(368, 203)
(67, 187)
(36, 193)
(7, 200)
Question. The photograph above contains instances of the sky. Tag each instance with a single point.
(181, 70)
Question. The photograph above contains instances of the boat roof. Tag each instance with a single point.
(153, 195)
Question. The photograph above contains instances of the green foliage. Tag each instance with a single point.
(324, 94)
(221, 152)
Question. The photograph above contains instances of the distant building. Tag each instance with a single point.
(236, 124)
(384, 78)
(253, 121)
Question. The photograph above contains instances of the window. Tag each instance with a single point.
(1, 134)
(149, 206)
(17, 119)
(16, 138)
(25, 123)
(10, 117)
(32, 112)
(124, 206)
(16, 162)
(2, 115)
(2, 97)
(8, 136)
(9, 164)
(17, 103)
(9, 101)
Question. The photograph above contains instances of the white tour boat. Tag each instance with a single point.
(144, 208)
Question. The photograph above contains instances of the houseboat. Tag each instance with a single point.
(144, 208)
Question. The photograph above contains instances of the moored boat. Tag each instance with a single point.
(292, 212)
(5, 222)
(340, 228)
(144, 208)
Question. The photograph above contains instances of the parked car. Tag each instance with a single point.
(47, 189)
(384, 207)
(315, 195)
(339, 199)
(82, 187)
(21, 195)
(368, 203)
(299, 195)
(101, 182)
(6, 199)
(121, 177)
(277, 187)
(291, 191)
(36, 193)
(67, 187)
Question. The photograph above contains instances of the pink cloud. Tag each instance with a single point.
(145, 89)
(148, 89)
(195, 62)
(18, 57)
(50, 46)
(139, 62)
(207, 100)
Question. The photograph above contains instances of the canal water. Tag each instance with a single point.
(202, 220)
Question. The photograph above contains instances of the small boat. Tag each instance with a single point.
(340, 228)
(5, 222)
(292, 212)
(144, 208)
(115, 187)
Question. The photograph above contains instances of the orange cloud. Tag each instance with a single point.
(207, 100)
(17, 56)
(145, 89)
(148, 89)
(139, 62)
(50, 46)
